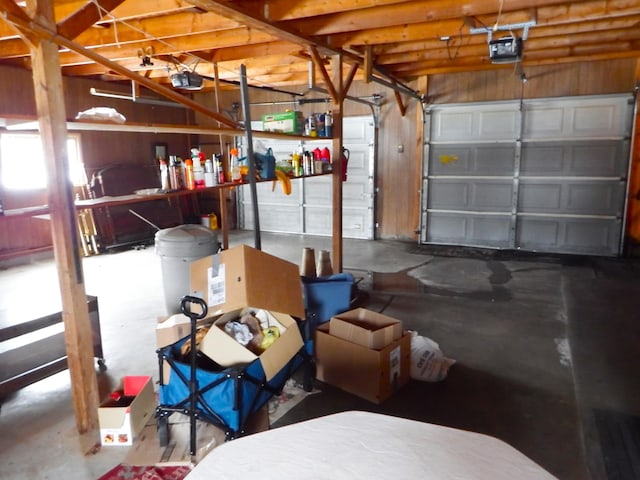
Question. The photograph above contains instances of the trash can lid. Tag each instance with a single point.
(186, 240)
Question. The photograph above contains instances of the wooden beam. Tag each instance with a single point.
(337, 144)
(49, 34)
(85, 17)
(318, 61)
(49, 94)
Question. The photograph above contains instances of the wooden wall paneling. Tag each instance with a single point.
(633, 210)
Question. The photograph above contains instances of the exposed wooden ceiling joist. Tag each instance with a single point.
(406, 39)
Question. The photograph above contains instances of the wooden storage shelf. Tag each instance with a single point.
(33, 361)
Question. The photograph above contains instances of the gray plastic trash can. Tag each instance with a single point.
(177, 248)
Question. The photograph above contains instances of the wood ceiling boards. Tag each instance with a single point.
(401, 40)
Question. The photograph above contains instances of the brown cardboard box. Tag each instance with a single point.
(371, 374)
(247, 277)
(244, 277)
(365, 327)
(120, 422)
(171, 329)
(226, 351)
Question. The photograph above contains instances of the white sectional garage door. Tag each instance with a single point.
(309, 208)
(548, 175)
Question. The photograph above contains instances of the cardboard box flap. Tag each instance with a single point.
(226, 351)
(365, 327)
(248, 277)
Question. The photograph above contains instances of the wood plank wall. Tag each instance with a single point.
(398, 174)
(99, 149)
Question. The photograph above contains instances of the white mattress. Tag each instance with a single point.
(362, 445)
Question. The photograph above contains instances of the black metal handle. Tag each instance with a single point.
(185, 307)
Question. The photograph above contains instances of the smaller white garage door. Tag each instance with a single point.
(309, 208)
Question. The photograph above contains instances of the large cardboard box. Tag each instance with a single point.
(122, 419)
(246, 278)
(365, 327)
(371, 374)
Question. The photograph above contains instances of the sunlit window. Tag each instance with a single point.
(22, 164)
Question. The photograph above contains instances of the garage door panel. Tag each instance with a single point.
(477, 195)
(469, 230)
(318, 221)
(567, 118)
(569, 235)
(275, 218)
(472, 160)
(318, 190)
(575, 197)
(270, 193)
(595, 159)
(470, 123)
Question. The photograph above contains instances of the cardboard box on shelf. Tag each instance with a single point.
(246, 278)
(122, 419)
(286, 122)
(365, 327)
(368, 373)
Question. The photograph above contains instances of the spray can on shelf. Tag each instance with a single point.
(209, 174)
(219, 169)
(188, 174)
(328, 124)
(176, 173)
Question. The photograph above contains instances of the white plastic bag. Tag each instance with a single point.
(102, 114)
(428, 363)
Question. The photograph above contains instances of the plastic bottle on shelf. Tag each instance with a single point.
(165, 182)
(236, 175)
(198, 170)
(325, 158)
(188, 174)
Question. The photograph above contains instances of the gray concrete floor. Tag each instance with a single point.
(540, 342)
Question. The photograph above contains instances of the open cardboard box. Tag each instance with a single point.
(121, 421)
(244, 277)
(368, 373)
(247, 277)
(365, 327)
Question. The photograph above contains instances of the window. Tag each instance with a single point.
(22, 164)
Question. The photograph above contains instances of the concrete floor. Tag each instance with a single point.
(540, 342)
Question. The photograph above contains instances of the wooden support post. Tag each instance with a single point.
(49, 94)
(337, 104)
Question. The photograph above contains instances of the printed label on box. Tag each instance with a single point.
(394, 364)
(216, 294)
